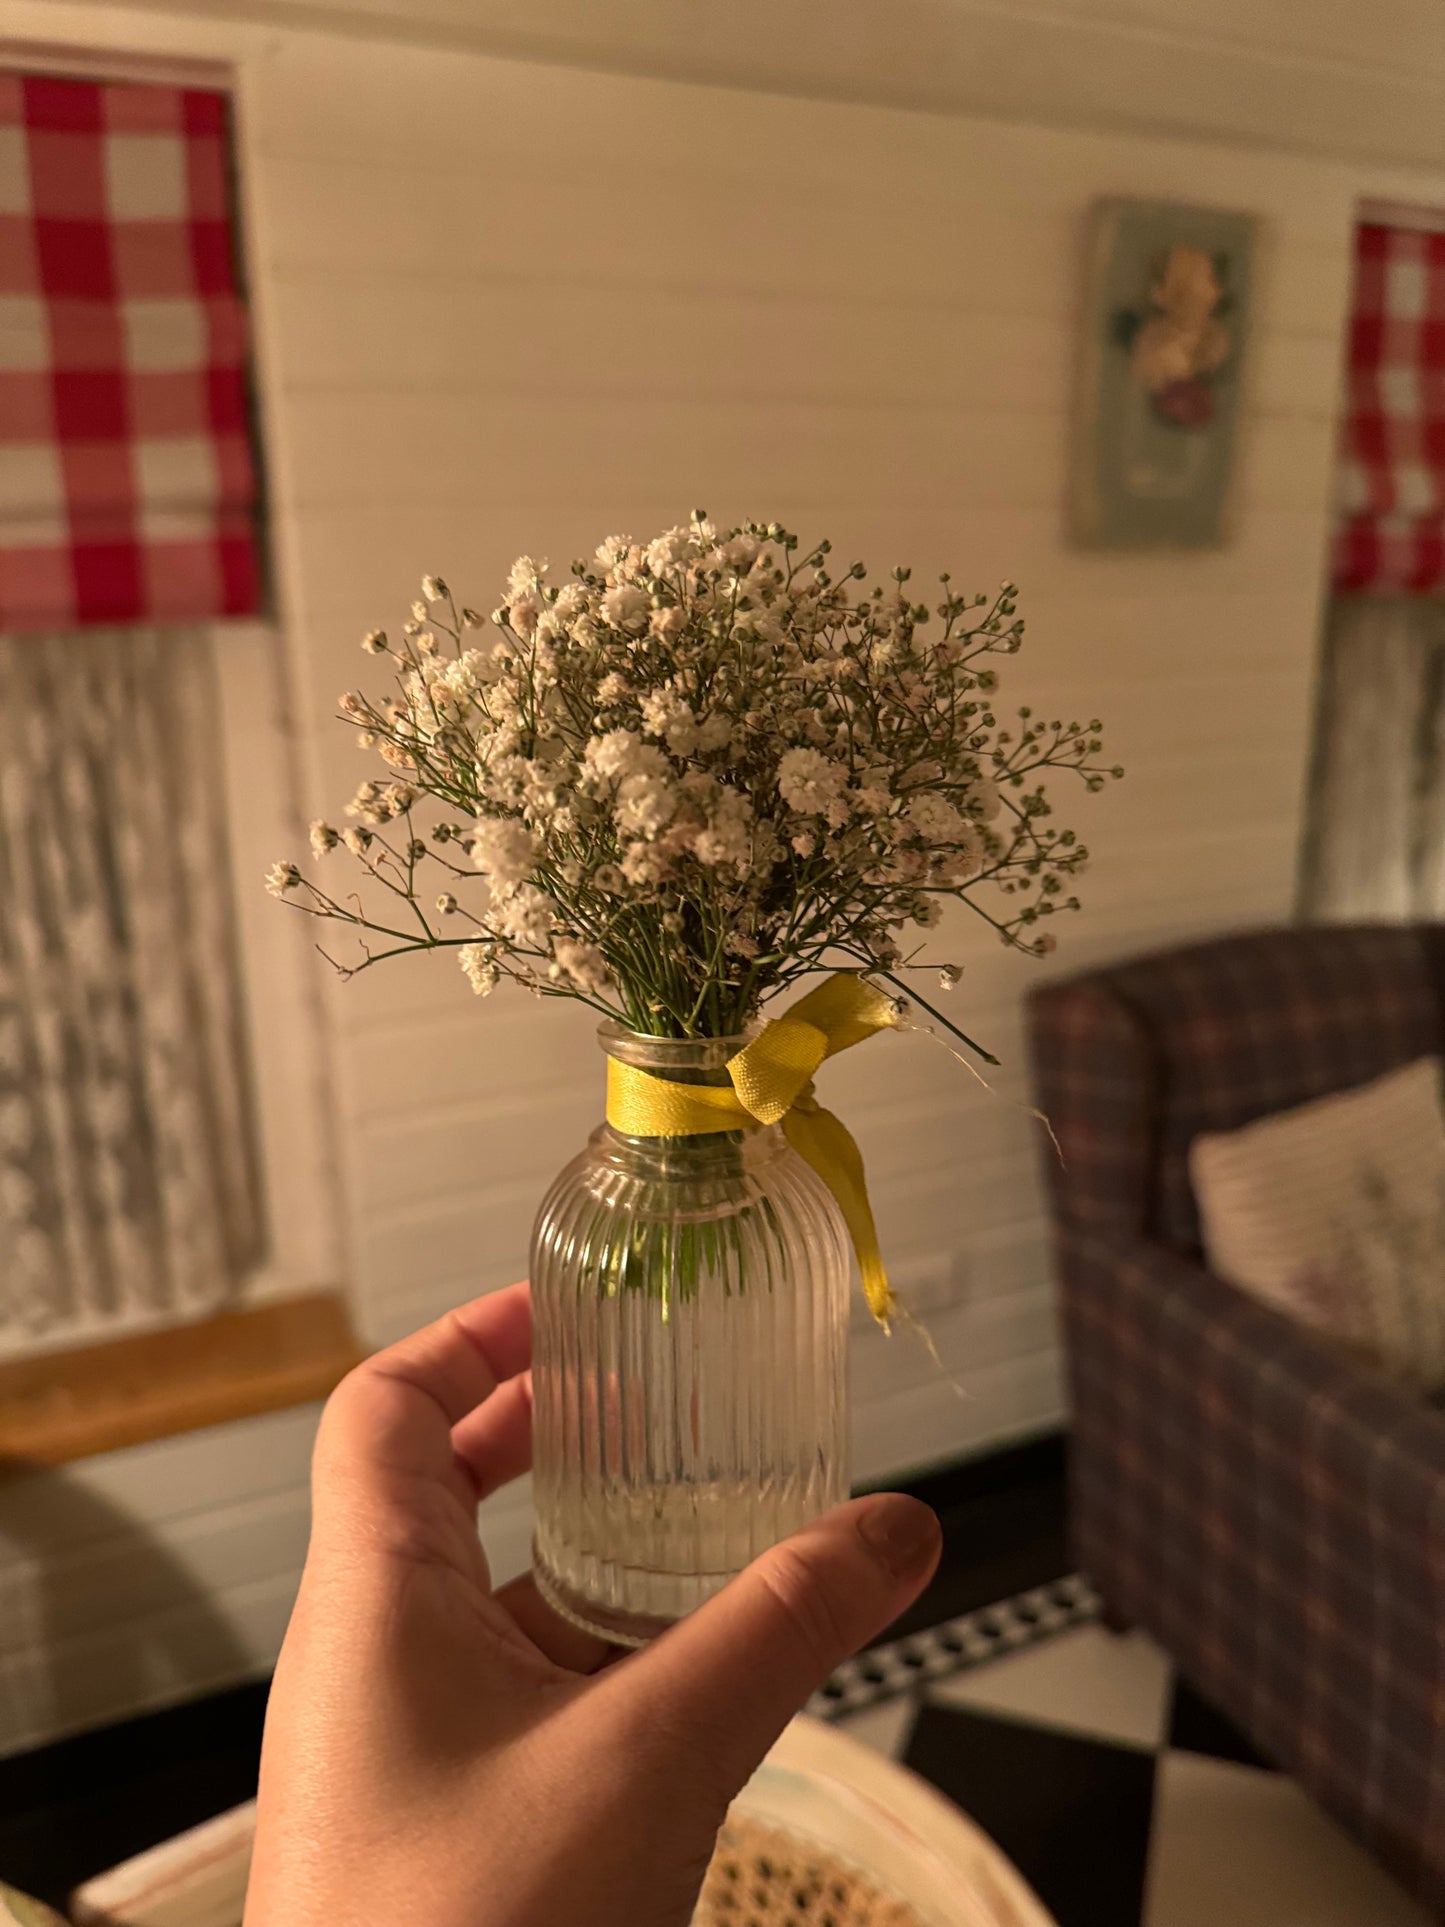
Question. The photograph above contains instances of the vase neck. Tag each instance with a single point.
(682, 1060)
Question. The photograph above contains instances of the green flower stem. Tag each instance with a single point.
(914, 998)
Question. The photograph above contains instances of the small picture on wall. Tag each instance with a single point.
(1165, 315)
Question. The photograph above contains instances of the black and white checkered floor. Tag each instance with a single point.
(1121, 1797)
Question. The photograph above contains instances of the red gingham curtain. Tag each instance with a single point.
(1390, 528)
(127, 485)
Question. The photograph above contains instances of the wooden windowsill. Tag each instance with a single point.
(68, 1405)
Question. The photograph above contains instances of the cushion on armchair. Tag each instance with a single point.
(1334, 1212)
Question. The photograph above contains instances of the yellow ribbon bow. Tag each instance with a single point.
(772, 1083)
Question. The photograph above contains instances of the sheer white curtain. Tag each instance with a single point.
(1376, 842)
(129, 1181)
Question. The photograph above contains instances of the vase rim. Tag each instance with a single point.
(610, 1027)
(662, 1053)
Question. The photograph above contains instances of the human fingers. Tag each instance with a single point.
(494, 1441)
(732, 1674)
(564, 1644)
(392, 1417)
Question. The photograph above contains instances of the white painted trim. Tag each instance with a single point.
(86, 63)
(1403, 214)
(1036, 61)
(279, 968)
(1093, 65)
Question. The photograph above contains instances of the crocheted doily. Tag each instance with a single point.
(763, 1877)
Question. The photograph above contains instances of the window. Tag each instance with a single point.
(1375, 843)
(162, 1110)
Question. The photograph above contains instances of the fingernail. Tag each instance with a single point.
(903, 1534)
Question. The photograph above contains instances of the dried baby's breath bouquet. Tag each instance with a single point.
(695, 771)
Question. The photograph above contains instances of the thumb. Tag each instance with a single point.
(733, 1673)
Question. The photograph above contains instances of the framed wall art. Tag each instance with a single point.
(1165, 322)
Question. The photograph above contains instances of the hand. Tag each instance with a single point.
(442, 1753)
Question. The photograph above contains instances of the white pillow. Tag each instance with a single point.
(1335, 1213)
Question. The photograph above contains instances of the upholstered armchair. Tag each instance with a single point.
(1268, 1508)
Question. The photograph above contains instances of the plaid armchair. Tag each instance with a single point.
(1270, 1510)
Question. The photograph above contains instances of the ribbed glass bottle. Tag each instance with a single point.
(690, 1355)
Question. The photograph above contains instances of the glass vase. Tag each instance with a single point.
(690, 1306)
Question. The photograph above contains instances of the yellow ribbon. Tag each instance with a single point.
(772, 1083)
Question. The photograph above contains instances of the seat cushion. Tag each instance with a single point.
(1248, 1026)
(1334, 1212)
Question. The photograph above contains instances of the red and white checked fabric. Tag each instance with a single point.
(127, 484)
(1390, 521)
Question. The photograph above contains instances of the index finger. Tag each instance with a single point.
(394, 1413)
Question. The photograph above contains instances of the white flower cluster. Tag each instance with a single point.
(696, 769)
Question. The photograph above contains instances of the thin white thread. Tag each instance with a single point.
(906, 1024)
(910, 1320)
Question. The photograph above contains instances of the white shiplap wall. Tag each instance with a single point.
(506, 306)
